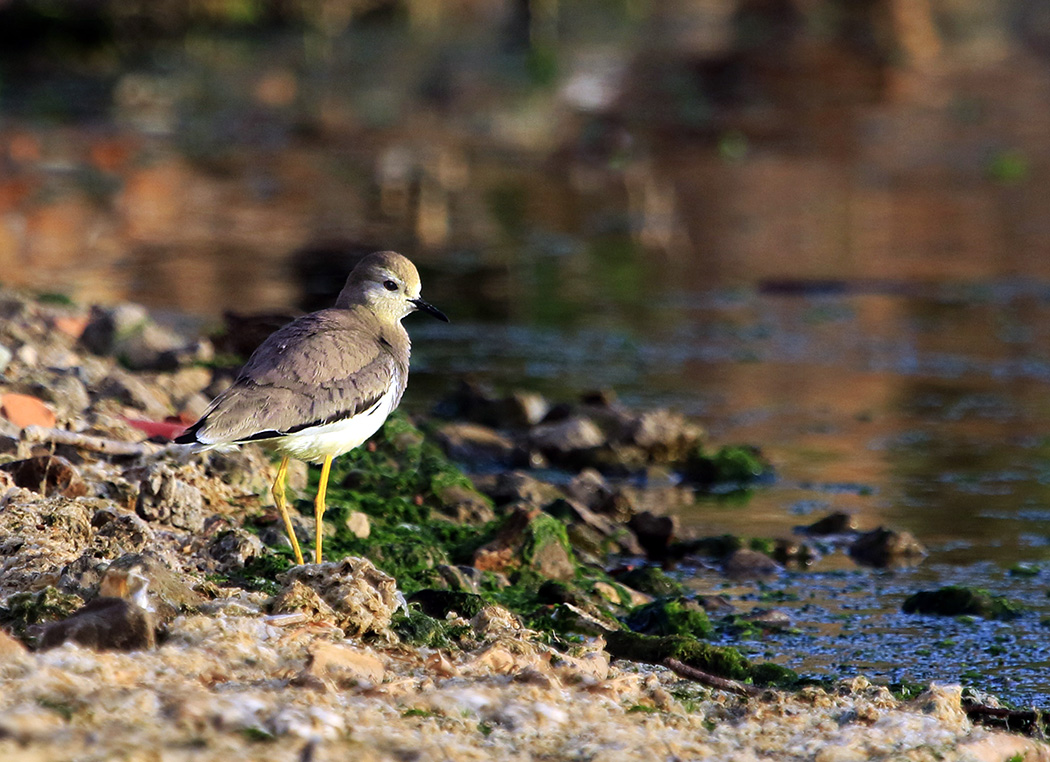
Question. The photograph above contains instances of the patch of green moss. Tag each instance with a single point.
(674, 616)
(957, 600)
(418, 629)
(740, 465)
(24, 610)
(259, 572)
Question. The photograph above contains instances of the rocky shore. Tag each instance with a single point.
(494, 588)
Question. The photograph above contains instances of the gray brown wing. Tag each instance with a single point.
(321, 368)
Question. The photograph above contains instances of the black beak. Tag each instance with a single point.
(429, 308)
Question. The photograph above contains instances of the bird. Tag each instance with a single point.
(324, 383)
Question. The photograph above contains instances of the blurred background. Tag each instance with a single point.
(822, 226)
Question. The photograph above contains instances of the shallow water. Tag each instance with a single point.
(899, 422)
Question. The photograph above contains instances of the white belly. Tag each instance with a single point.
(313, 445)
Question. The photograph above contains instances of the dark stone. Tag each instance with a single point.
(567, 442)
(48, 475)
(518, 486)
(654, 532)
(768, 619)
(104, 624)
(439, 603)
(480, 446)
(464, 505)
(590, 488)
(749, 564)
(650, 580)
(886, 547)
(956, 600)
(833, 523)
(460, 579)
(232, 548)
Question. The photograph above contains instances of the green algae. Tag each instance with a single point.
(23, 612)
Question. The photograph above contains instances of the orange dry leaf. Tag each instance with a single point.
(23, 410)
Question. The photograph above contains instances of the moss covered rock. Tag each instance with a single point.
(956, 600)
(673, 616)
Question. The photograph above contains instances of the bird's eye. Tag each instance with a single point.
(389, 285)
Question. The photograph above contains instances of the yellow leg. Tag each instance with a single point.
(278, 498)
(322, 488)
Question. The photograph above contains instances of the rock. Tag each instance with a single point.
(664, 436)
(654, 532)
(233, 548)
(737, 465)
(522, 409)
(363, 599)
(23, 410)
(128, 333)
(519, 487)
(886, 547)
(749, 564)
(464, 505)
(462, 579)
(119, 532)
(166, 499)
(768, 619)
(9, 445)
(69, 395)
(475, 403)
(346, 667)
(480, 446)
(6, 355)
(132, 391)
(785, 550)
(440, 603)
(105, 324)
(956, 600)
(246, 469)
(650, 580)
(562, 441)
(296, 597)
(48, 475)
(833, 523)
(358, 524)
(715, 604)
(186, 384)
(169, 593)
(608, 592)
(670, 616)
(116, 620)
(531, 538)
(591, 489)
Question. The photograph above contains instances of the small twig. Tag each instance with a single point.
(712, 681)
(87, 441)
